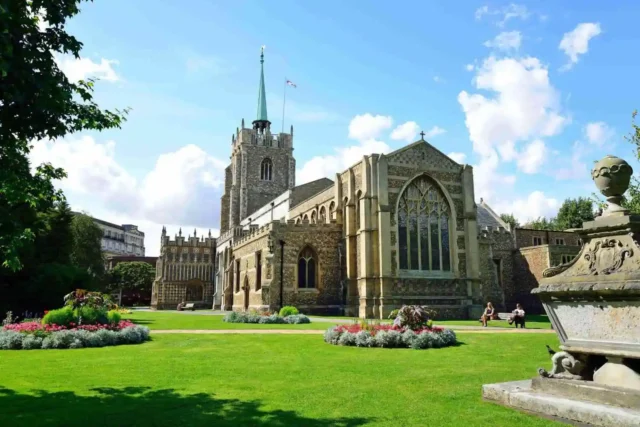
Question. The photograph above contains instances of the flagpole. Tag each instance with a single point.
(284, 100)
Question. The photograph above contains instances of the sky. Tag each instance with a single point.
(530, 94)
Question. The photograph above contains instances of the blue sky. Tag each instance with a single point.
(491, 82)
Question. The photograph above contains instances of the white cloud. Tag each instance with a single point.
(533, 157)
(524, 105)
(577, 168)
(365, 129)
(598, 133)
(457, 157)
(438, 79)
(470, 67)
(327, 166)
(504, 14)
(507, 40)
(183, 188)
(405, 132)
(84, 68)
(576, 42)
(434, 131)
(366, 126)
(536, 205)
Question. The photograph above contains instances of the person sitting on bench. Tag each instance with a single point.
(489, 314)
(517, 316)
(181, 306)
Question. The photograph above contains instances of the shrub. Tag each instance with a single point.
(74, 338)
(413, 317)
(288, 310)
(387, 336)
(61, 317)
(296, 319)
(82, 298)
(237, 317)
(88, 315)
(393, 314)
(113, 317)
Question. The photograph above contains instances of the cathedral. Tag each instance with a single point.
(392, 229)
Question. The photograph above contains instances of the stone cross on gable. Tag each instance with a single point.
(422, 135)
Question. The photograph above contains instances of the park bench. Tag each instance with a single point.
(190, 306)
(505, 316)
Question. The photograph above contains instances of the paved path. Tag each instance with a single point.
(320, 332)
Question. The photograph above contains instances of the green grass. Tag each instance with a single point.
(175, 320)
(267, 381)
(533, 322)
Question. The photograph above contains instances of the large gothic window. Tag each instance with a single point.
(266, 170)
(307, 268)
(423, 227)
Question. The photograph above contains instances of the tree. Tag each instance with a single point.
(133, 275)
(87, 248)
(38, 102)
(511, 220)
(541, 223)
(574, 212)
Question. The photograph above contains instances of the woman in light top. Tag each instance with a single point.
(489, 313)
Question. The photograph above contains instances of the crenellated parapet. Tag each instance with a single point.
(189, 241)
(487, 233)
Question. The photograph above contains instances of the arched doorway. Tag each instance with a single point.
(194, 291)
(246, 293)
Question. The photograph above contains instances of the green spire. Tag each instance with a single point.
(262, 98)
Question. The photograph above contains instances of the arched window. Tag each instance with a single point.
(298, 221)
(307, 268)
(313, 217)
(332, 209)
(323, 215)
(266, 170)
(423, 227)
(305, 218)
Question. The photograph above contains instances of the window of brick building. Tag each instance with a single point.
(266, 170)
(559, 241)
(565, 259)
(307, 268)
(497, 262)
(537, 241)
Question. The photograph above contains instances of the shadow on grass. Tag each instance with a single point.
(142, 406)
(142, 321)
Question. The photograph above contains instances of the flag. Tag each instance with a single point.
(290, 83)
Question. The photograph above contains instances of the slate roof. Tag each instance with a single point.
(488, 218)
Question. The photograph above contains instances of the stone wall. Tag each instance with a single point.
(529, 263)
(326, 297)
(496, 268)
(313, 204)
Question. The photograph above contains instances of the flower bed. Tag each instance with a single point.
(237, 317)
(390, 336)
(32, 335)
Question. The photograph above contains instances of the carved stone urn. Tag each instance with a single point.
(611, 175)
(593, 301)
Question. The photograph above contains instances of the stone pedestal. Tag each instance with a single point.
(593, 303)
(573, 402)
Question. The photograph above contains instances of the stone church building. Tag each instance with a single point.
(392, 229)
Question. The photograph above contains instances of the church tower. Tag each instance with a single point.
(262, 165)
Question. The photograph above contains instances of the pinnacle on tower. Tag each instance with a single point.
(194, 233)
(262, 122)
(180, 232)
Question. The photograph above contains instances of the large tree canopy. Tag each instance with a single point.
(132, 275)
(511, 220)
(573, 213)
(37, 102)
(87, 248)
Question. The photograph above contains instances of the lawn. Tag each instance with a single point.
(176, 320)
(189, 320)
(267, 381)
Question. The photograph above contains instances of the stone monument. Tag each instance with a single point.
(593, 303)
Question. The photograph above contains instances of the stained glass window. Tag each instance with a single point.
(423, 227)
(307, 268)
